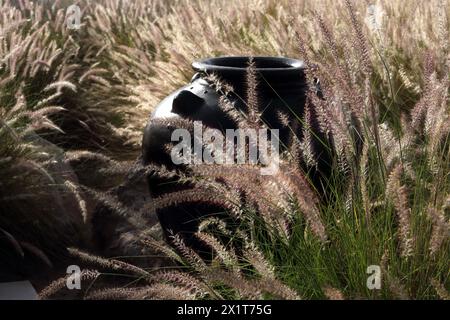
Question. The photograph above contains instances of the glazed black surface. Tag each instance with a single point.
(281, 87)
(274, 73)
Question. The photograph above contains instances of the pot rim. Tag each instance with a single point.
(238, 64)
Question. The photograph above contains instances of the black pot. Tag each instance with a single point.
(281, 87)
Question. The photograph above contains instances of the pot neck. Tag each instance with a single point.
(275, 75)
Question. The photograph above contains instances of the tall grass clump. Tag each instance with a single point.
(69, 98)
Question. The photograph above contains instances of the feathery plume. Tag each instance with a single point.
(226, 255)
(440, 289)
(252, 94)
(190, 255)
(81, 202)
(440, 229)
(361, 39)
(109, 264)
(333, 293)
(397, 192)
(56, 286)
